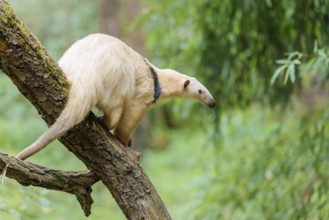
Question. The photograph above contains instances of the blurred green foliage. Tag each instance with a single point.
(315, 64)
(267, 162)
(272, 170)
(251, 159)
(57, 24)
(232, 45)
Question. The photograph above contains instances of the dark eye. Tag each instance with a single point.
(200, 91)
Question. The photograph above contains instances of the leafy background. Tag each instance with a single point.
(262, 154)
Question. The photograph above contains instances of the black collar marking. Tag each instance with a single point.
(157, 87)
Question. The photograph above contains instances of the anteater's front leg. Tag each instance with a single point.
(131, 116)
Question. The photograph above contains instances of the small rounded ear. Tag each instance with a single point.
(186, 83)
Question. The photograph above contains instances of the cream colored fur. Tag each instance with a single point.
(106, 73)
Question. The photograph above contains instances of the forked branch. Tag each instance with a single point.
(77, 183)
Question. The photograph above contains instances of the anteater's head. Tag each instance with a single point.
(175, 84)
(193, 89)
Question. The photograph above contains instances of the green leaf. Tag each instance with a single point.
(269, 3)
(277, 73)
(297, 62)
(292, 73)
(286, 77)
(295, 55)
(292, 54)
(315, 49)
(283, 61)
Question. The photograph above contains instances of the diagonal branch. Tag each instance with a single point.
(77, 183)
(42, 82)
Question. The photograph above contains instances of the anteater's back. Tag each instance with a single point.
(101, 66)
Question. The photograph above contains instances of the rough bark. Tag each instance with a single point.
(42, 82)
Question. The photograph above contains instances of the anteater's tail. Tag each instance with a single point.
(74, 112)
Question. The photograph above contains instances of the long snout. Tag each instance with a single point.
(212, 104)
(209, 101)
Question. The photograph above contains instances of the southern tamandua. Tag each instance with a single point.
(106, 73)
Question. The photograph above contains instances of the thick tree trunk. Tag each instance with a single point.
(108, 17)
(41, 81)
(116, 16)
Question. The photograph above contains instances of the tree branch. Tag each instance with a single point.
(77, 183)
(42, 82)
